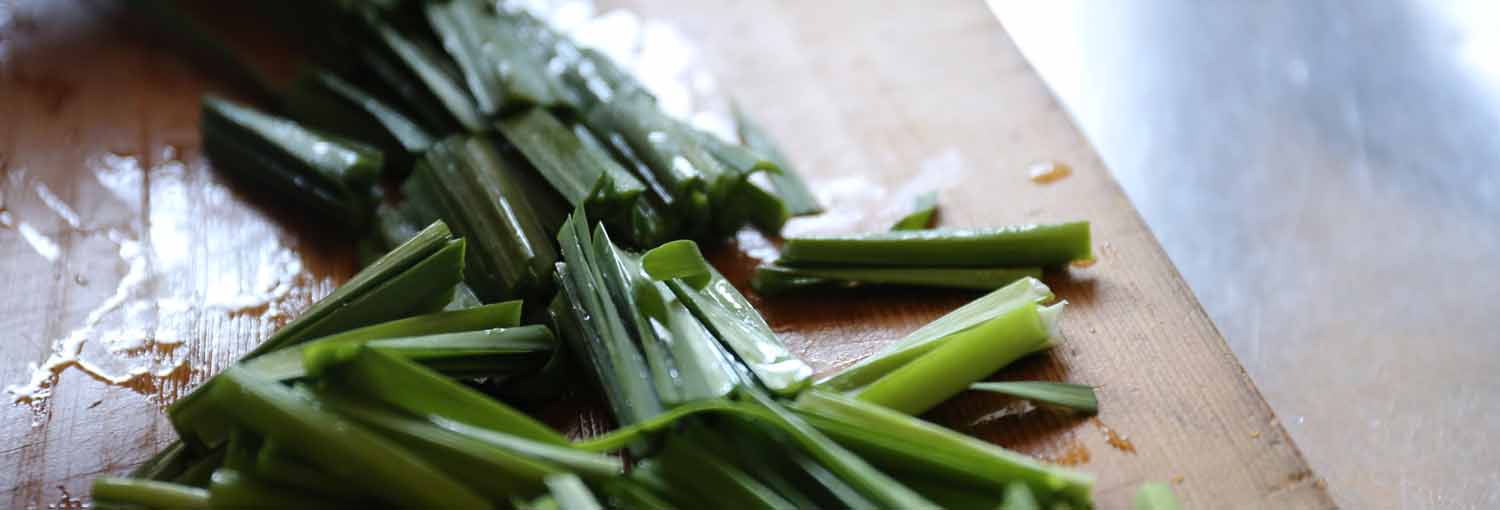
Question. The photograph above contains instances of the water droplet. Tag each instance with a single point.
(1047, 172)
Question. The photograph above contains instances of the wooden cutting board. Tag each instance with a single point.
(122, 250)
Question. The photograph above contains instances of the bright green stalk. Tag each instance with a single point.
(775, 279)
(336, 445)
(929, 337)
(485, 353)
(417, 390)
(1155, 496)
(968, 356)
(921, 217)
(901, 443)
(148, 493)
(1077, 398)
(681, 353)
(729, 315)
(286, 364)
(1024, 245)
(498, 465)
(571, 493)
(678, 259)
(603, 339)
(1018, 496)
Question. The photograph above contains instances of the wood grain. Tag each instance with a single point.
(877, 101)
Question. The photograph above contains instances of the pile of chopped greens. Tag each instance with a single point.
(530, 220)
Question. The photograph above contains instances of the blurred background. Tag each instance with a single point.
(1324, 174)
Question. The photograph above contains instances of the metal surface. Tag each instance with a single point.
(1324, 174)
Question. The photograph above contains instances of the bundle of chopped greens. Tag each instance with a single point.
(576, 206)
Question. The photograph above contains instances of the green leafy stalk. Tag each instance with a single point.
(414, 278)
(328, 174)
(324, 101)
(968, 356)
(721, 307)
(689, 466)
(495, 464)
(1071, 397)
(417, 390)
(583, 172)
(148, 493)
(902, 444)
(570, 493)
(1026, 245)
(286, 364)
(336, 445)
(601, 335)
(1155, 496)
(432, 72)
(511, 252)
(680, 352)
(788, 184)
(1018, 496)
(233, 489)
(920, 218)
(773, 279)
(934, 334)
(275, 464)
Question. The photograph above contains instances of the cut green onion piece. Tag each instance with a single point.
(602, 336)
(286, 364)
(903, 444)
(148, 493)
(422, 392)
(921, 217)
(233, 489)
(428, 67)
(496, 464)
(968, 356)
(511, 253)
(570, 493)
(774, 279)
(729, 315)
(690, 466)
(327, 102)
(681, 354)
(203, 49)
(929, 337)
(1026, 245)
(788, 184)
(1018, 496)
(678, 259)
(582, 172)
(275, 464)
(1155, 496)
(675, 157)
(486, 353)
(1072, 397)
(329, 174)
(336, 445)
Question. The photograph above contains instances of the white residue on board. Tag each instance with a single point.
(134, 336)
